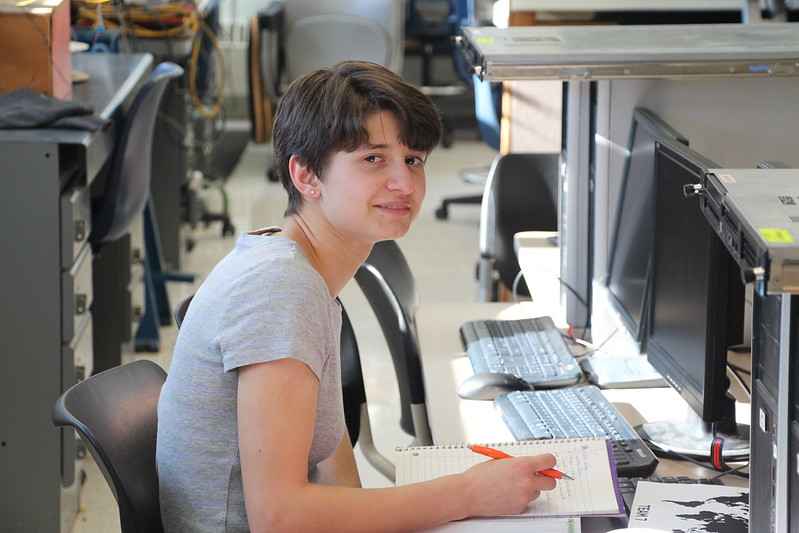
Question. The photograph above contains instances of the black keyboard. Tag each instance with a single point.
(532, 349)
(573, 413)
(627, 485)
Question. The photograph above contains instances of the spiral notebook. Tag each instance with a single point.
(593, 492)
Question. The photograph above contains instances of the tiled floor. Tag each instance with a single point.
(442, 255)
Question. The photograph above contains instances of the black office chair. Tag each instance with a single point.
(521, 195)
(387, 282)
(115, 413)
(356, 413)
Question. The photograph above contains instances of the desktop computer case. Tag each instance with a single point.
(756, 213)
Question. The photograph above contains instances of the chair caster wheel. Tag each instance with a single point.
(442, 213)
(271, 175)
(228, 229)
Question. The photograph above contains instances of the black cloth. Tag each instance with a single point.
(24, 108)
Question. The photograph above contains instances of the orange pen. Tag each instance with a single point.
(498, 454)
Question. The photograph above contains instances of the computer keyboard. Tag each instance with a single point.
(531, 348)
(572, 413)
(627, 485)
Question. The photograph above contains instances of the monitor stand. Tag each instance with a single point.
(694, 437)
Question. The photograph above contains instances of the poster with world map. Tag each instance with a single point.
(690, 508)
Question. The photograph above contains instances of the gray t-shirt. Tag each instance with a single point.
(262, 302)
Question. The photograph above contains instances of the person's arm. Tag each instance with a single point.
(340, 469)
(274, 460)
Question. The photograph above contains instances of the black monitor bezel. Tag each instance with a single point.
(660, 129)
(709, 399)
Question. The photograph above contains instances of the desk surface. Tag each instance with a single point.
(445, 366)
(112, 78)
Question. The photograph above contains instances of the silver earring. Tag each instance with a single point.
(312, 192)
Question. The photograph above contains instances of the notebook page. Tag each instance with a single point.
(594, 490)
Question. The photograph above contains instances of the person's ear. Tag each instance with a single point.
(304, 180)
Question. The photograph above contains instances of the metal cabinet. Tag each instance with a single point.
(46, 293)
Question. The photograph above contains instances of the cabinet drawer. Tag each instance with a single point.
(76, 294)
(76, 219)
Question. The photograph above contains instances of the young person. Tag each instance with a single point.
(251, 433)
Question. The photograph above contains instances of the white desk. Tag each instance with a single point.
(453, 419)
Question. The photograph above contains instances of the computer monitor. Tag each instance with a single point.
(630, 255)
(696, 312)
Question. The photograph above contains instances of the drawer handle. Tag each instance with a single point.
(80, 230)
(80, 304)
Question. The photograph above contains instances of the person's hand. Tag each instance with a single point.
(506, 486)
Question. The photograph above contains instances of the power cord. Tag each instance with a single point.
(171, 21)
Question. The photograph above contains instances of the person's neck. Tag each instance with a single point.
(335, 258)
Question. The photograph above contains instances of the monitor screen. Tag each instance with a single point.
(630, 255)
(697, 296)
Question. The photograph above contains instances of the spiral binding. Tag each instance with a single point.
(510, 444)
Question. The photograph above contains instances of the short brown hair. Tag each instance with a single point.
(325, 111)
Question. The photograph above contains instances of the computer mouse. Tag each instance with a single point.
(489, 385)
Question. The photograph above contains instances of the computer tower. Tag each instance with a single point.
(755, 212)
(793, 475)
(764, 425)
(793, 438)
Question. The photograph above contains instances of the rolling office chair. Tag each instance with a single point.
(298, 36)
(356, 412)
(521, 195)
(115, 413)
(387, 282)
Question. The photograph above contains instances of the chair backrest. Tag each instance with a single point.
(354, 390)
(181, 308)
(387, 282)
(310, 34)
(115, 412)
(521, 195)
(128, 182)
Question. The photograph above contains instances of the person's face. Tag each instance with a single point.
(374, 192)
